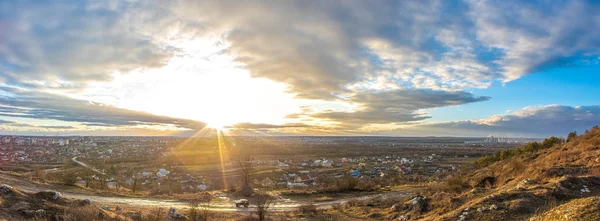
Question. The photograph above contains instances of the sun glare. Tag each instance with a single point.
(216, 125)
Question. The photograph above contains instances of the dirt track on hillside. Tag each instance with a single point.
(279, 205)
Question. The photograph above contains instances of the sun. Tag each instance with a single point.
(219, 122)
(216, 125)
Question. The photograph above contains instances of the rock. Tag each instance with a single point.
(20, 206)
(529, 181)
(476, 190)
(27, 213)
(403, 218)
(6, 189)
(33, 213)
(85, 202)
(419, 204)
(395, 207)
(49, 195)
(494, 207)
(488, 181)
(175, 215)
(40, 212)
(585, 189)
(481, 209)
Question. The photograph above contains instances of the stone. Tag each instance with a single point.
(174, 215)
(20, 206)
(494, 207)
(6, 189)
(49, 195)
(85, 202)
(477, 190)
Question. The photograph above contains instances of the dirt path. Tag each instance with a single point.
(279, 205)
(74, 159)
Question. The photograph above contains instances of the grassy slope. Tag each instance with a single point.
(558, 176)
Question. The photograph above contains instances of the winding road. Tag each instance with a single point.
(278, 205)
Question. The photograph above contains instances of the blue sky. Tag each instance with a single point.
(399, 68)
(571, 86)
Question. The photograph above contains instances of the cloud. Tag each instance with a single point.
(66, 44)
(320, 48)
(390, 58)
(251, 126)
(395, 106)
(39, 105)
(540, 121)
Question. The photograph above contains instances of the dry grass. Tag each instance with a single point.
(322, 199)
(308, 209)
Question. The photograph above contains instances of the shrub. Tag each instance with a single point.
(68, 179)
(157, 214)
(81, 213)
(455, 183)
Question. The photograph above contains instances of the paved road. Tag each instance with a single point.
(279, 204)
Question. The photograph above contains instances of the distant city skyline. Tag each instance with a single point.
(327, 68)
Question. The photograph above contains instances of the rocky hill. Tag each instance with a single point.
(553, 180)
(50, 205)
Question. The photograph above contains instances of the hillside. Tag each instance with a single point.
(553, 180)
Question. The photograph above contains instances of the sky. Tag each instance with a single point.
(307, 67)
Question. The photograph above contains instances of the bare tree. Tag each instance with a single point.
(200, 211)
(263, 205)
(134, 185)
(245, 164)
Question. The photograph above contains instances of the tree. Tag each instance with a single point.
(87, 176)
(263, 205)
(571, 136)
(200, 209)
(68, 178)
(134, 186)
(245, 164)
(38, 173)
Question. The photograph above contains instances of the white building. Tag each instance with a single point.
(162, 172)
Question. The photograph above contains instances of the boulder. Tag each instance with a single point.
(476, 190)
(488, 181)
(85, 202)
(419, 204)
(6, 189)
(20, 206)
(481, 209)
(494, 207)
(173, 214)
(49, 195)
